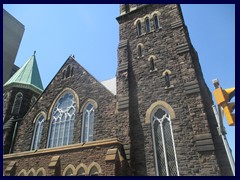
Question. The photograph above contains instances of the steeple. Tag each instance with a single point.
(27, 76)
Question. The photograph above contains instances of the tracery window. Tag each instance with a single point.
(139, 28)
(147, 23)
(62, 121)
(88, 123)
(37, 132)
(164, 148)
(17, 103)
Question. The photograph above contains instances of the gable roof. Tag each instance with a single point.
(27, 76)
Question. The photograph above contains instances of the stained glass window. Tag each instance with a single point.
(88, 123)
(164, 149)
(37, 132)
(62, 121)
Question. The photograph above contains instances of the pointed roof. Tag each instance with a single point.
(27, 76)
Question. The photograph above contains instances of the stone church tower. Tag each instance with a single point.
(19, 93)
(160, 122)
(162, 95)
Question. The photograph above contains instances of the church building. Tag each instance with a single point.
(159, 122)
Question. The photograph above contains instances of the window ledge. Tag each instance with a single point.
(139, 57)
(151, 71)
(170, 87)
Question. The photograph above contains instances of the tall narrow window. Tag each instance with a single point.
(17, 103)
(127, 9)
(147, 23)
(88, 123)
(167, 79)
(164, 149)
(68, 71)
(152, 65)
(139, 51)
(33, 100)
(139, 28)
(156, 23)
(37, 135)
(62, 121)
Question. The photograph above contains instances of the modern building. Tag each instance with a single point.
(12, 35)
(159, 122)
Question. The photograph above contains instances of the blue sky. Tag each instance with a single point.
(91, 33)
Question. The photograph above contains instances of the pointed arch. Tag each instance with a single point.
(88, 110)
(37, 134)
(23, 172)
(163, 143)
(94, 167)
(69, 170)
(147, 25)
(57, 97)
(156, 104)
(81, 170)
(151, 60)
(17, 103)
(62, 115)
(139, 50)
(31, 172)
(41, 172)
(166, 75)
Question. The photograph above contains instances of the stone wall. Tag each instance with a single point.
(86, 87)
(55, 161)
(194, 127)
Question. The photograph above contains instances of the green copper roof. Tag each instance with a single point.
(27, 76)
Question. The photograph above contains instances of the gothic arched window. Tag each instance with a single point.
(156, 23)
(164, 148)
(139, 28)
(33, 100)
(151, 64)
(139, 51)
(62, 121)
(147, 23)
(68, 73)
(167, 79)
(127, 9)
(81, 172)
(88, 123)
(94, 171)
(17, 103)
(37, 132)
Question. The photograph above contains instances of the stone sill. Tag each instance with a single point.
(63, 148)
